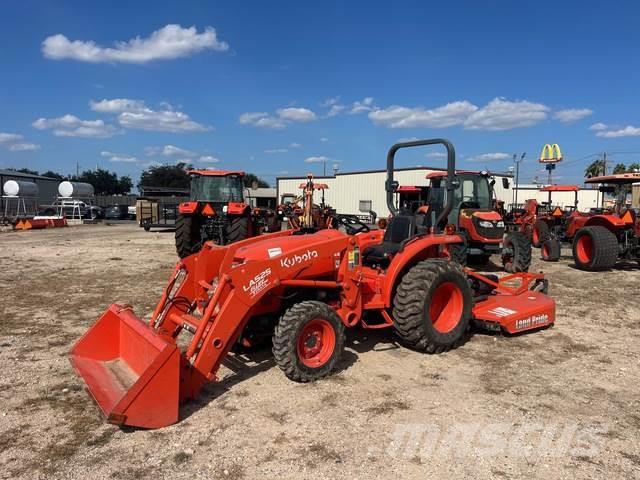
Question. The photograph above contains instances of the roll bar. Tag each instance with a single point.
(451, 183)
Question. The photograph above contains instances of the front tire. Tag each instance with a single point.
(595, 248)
(432, 306)
(187, 236)
(516, 254)
(550, 250)
(308, 341)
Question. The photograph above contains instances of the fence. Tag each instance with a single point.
(106, 200)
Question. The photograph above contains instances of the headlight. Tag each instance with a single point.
(485, 224)
(500, 224)
(225, 208)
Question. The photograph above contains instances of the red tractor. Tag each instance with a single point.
(601, 240)
(474, 215)
(542, 222)
(301, 213)
(217, 211)
(410, 198)
(306, 289)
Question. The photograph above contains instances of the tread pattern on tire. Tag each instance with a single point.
(458, 253)
(544, 232)
(411, 301)
(238, 229)
(521, 246)
(185, 243)
(285, 340)
(605, 248)
(552, 248)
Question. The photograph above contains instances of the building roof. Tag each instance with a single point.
(382, 170)
(618, 179)
(13, 173)
(560, 188)
(215, 173)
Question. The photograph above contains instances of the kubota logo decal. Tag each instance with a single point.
(294, 260)
(258, 283)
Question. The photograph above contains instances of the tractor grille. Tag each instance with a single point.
(493, 233)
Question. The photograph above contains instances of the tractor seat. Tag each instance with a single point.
(400, 228)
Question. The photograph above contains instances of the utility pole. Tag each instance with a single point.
(604, 163)
(517, 162)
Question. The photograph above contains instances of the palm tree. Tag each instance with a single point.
(595, 169)
(619, 168)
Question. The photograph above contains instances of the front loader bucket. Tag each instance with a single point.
(132, 372)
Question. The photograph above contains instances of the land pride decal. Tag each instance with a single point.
(532, 321)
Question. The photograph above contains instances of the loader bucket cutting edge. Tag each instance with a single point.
(132, 373)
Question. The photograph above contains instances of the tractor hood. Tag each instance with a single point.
(315, 253)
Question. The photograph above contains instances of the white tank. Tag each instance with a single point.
(75, 189)
(18, 188)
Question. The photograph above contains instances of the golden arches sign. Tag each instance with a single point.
(551, 154)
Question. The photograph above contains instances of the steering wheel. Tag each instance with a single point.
(352, 224)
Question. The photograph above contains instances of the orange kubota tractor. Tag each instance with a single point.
(310, 287)
(301, 213)
(601, 240)
(217, 211)
(475, 216)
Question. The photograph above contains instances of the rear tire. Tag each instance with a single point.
(550, 250)
(540, 233)
(516, 255)
(595, 248)
(187, 236)
(432, 306)
(308, 341)
(238, 229)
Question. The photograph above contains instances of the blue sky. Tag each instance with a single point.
(276, 87)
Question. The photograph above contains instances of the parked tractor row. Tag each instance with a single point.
(598, 239)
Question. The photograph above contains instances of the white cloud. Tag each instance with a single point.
(317, 159)
(599, 126)
(169, 42)
(448, 115)
(135, 114)
(71, 126)
(366, 105)
(628, 131)
(6, 138)
(22, 147)
(296, 114)
(295, 145)
(498, 114)
(335, 110)
(173, 151)
(329, 102)
(15, 143)
(118, 157)
(489, 157)
(324, 139)
(272, 151)
(572, 114)
(436, 155)
(501, 114)
(278, 121)
(208, 159)
(117, 105)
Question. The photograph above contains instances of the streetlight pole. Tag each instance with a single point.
(517, 162)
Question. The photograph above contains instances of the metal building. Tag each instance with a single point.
(349, 191)
(47, 186)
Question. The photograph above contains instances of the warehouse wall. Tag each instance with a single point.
(346, 190)
(586, 198)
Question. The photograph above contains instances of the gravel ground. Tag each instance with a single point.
(559, 403)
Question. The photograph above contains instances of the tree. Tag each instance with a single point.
(249, 178)
(634, 167)
(169, 176)
(24, 170)
(595, 169)
(105, 182)
(619, 168)
(52, 174)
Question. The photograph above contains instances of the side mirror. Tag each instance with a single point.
(505, 182)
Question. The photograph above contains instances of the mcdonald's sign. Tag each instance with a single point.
(551, 154)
